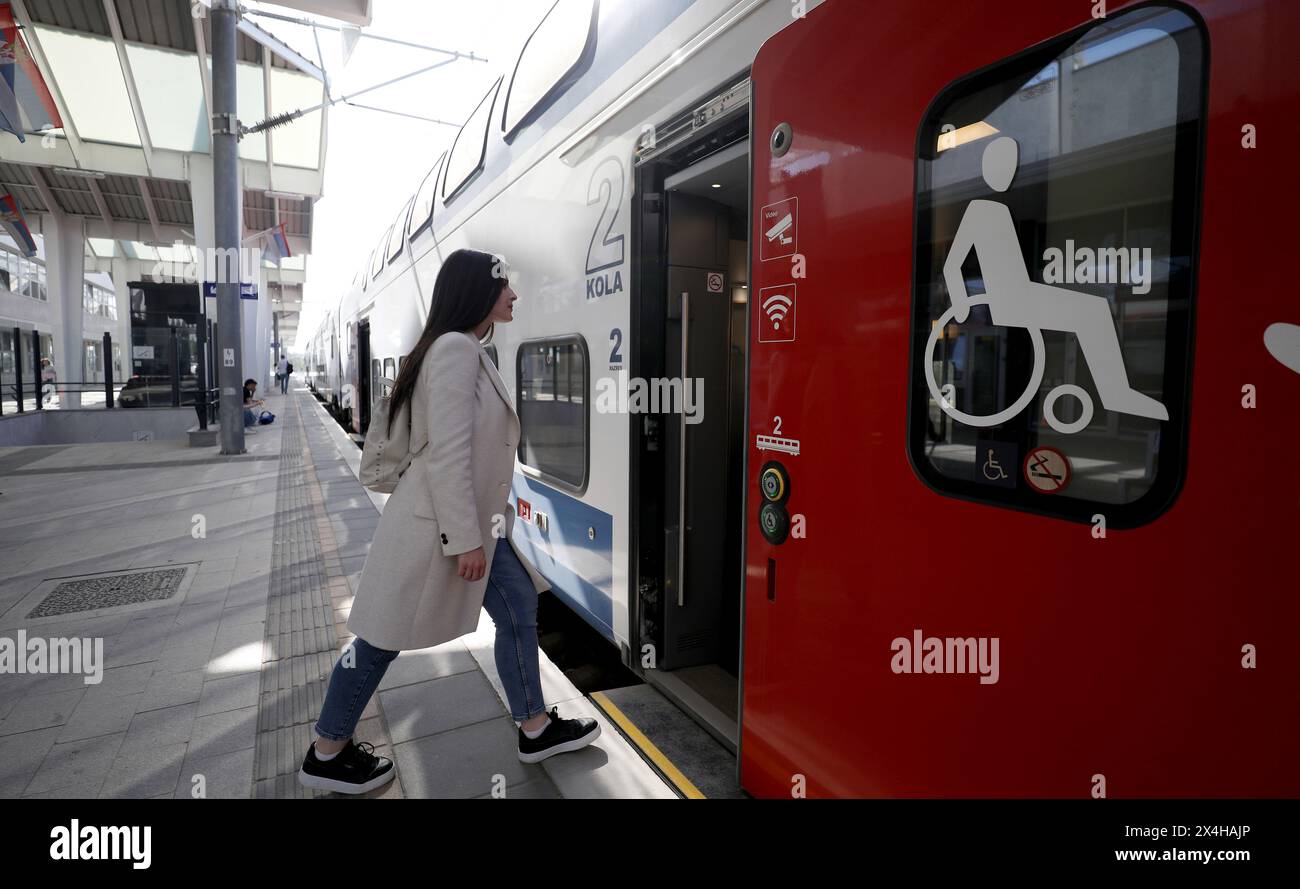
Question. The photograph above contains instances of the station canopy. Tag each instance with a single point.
(129, 85)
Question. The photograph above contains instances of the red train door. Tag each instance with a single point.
(1021, 390)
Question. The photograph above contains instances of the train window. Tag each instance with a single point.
(397, 234)
(1057, 199)
(365, 279)
(551, 379)
(422, 212)
(466, 157)
(390, 375)
(549, 58)
(377, 261)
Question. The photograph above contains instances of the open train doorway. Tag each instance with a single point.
(361, 379)
(691, 232)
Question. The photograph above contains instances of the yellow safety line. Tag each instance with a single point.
(655, 755)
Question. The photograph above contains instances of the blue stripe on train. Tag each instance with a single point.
(580, 569)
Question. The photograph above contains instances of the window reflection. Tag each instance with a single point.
(1101, 203)
(552, 408)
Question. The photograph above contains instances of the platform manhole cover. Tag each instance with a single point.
(110, 591)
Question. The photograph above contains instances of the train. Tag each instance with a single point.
(898, 389)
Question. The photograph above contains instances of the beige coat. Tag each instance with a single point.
(464, 432)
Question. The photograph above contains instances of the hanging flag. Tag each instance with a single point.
(277, 245)
(11, 220)
(281, 239)
(26, 105)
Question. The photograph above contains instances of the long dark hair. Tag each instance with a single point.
(468, 286)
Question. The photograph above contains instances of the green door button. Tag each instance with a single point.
(774, 522)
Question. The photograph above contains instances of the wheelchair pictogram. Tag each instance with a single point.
(1014, 300)
(992, 469)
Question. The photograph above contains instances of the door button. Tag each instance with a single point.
(774, 523)
(774, 482)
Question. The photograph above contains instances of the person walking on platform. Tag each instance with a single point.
(282, 375)
(442, 549)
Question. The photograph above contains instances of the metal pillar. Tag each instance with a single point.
(40, 381)
(18, 368)
(108, 371)
(225, 187)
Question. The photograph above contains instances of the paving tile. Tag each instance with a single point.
(139, 772)
(170, 689)
(20, 757)
(100, 713)
(439, 705)
(224, 732)
(170, 725)
(238, 615)
(39, 711)
(538, 788)
(89, 790)
(75, 763)
(225, 776)
(463, 763)
(124, 681)
(428, 663)
(224, 693)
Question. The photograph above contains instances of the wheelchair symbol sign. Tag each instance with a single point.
(997, 463)
(1047, 470)
(1012, 299)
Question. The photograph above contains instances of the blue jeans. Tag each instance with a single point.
(250, 418)
(511, 602)
(284, 384)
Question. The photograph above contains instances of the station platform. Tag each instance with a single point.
(219, 588)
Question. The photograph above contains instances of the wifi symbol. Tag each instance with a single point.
(776, 307)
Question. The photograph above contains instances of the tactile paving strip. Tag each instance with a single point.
(300, 645)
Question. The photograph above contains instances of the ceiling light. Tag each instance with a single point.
(962, 135)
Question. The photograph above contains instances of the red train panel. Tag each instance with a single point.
(1157, 660)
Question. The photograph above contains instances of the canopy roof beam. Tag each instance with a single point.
(150, 210)
(98, 195)
(42, 187)
(137, 109)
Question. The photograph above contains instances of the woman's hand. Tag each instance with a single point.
(472, 565)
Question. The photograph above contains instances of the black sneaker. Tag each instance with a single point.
(560, 736)
(356, 769)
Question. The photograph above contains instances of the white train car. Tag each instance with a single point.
(609, 165)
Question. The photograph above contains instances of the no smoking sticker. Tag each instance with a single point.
(1047, 470)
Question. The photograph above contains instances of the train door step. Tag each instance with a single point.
(689, 758)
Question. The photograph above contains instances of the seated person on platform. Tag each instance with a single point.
(251, 401)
